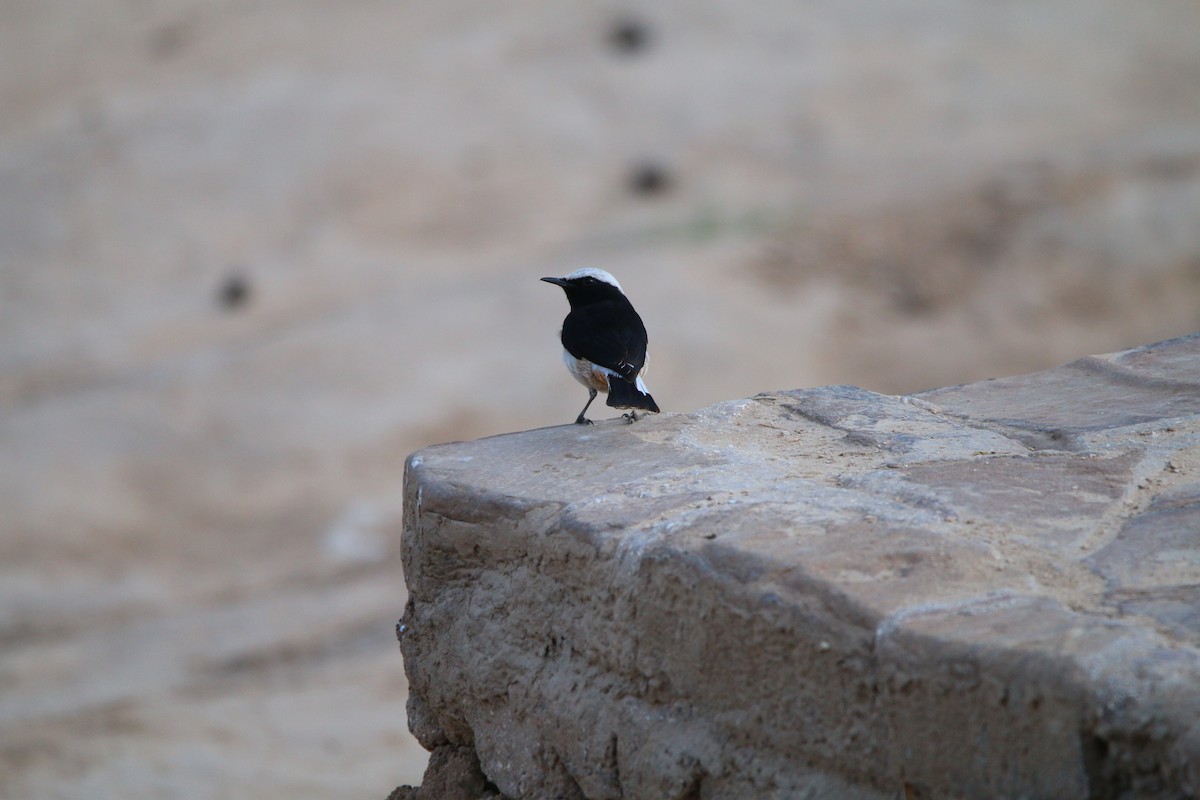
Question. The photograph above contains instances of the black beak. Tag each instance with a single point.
(556, 281)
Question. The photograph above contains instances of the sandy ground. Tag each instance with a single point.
(253, 254)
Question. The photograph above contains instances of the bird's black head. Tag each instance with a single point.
(586, 286)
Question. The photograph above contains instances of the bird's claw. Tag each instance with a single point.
(631, 417)
(581, 420)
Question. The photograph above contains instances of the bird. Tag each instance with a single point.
(604, 342)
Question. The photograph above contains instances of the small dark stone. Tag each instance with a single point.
(169, 40)
(649, 179)
(629, 36)
(234, 292)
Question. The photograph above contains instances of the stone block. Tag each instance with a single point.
(980, 591)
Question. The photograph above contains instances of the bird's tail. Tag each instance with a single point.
(623, 394)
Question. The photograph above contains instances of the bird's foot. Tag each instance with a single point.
(581, 420)
(631, 417)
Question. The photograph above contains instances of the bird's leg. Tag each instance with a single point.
(580, 420)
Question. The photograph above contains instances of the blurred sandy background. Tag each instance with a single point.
(254, 253)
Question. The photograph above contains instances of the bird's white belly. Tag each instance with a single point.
(594, 376)
(590, 375)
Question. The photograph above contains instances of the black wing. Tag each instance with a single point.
(610, 334)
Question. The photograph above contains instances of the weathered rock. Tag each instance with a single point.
(453, 774)
(982, 591)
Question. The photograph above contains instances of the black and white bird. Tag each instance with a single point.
(604, 342)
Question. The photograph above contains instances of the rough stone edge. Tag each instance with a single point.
(453, 773)
(1111, 746)
(1116, 747)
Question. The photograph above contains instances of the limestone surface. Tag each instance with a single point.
(987, 590)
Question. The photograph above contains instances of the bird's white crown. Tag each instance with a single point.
(598, 274)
